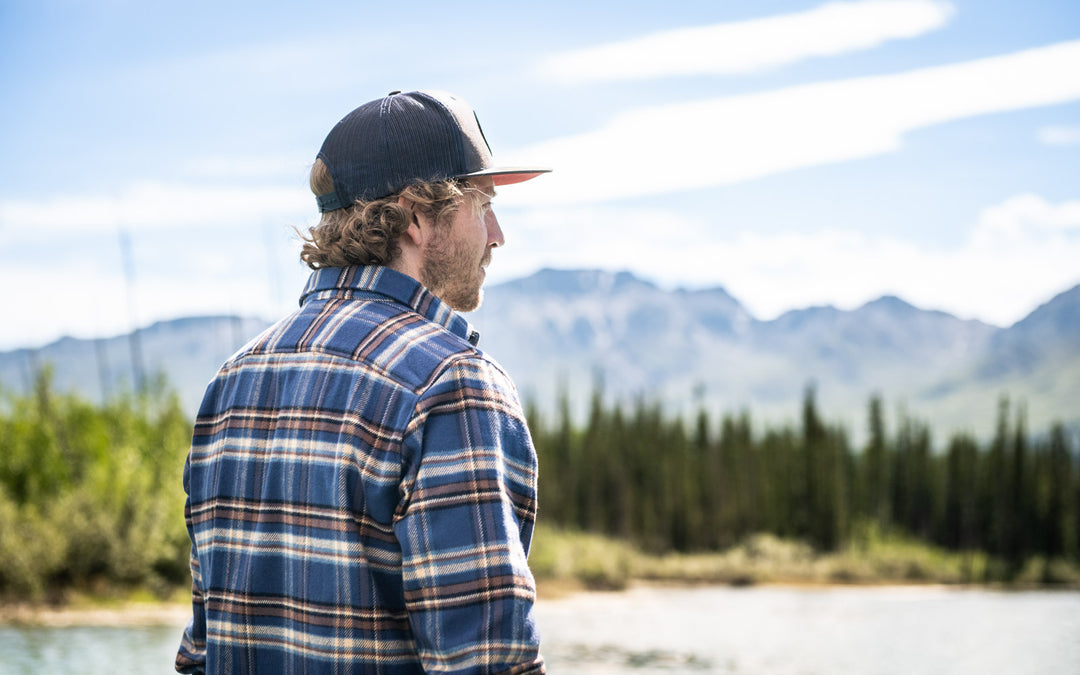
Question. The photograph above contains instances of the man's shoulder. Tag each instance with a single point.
(386, 338)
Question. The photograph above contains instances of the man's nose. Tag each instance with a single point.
(494, 232)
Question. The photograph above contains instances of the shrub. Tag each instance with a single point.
(91, 493)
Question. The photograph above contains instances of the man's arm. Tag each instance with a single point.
(191, 657)
(465, 524)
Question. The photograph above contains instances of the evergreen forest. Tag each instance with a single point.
(705, 485)
(91, 495)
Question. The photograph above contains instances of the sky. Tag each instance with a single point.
(154, 156)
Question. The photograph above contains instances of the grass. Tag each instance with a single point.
(565, 560)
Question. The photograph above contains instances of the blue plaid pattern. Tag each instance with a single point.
(361, 495)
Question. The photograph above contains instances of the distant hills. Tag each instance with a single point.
(687, 348)
(187, 351)
(568, 330)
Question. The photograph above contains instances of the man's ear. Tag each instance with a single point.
(414, 233)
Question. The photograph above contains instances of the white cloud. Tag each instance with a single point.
(727, 140)
(1024, 217)
(175, 273)
(95, 301)
(1060, 135)
(747, 46)
(155, 205)
(196, 250)
(1018, 254)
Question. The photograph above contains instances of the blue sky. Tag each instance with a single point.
(796, 153)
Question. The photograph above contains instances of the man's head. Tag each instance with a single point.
(405, 160)
(452, 254)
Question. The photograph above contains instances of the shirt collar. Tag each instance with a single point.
(338, 281)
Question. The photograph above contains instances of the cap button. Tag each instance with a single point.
(396, 91)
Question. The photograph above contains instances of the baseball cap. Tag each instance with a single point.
(390, 143)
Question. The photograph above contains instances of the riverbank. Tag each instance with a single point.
(133, 614)
(175, 613)
(114, 608)
(568, 562)
(563, 559)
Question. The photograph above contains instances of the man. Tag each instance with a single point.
(361, 482)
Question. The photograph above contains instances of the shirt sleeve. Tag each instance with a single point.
(191, 657)
(465, 524)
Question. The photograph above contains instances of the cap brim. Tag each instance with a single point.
(508, 175)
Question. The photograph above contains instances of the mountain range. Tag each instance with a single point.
(573, 331)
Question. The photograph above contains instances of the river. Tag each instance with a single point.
(772, 630)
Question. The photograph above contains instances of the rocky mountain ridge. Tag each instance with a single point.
(560, 330)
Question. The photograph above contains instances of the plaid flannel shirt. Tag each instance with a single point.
(361, 495)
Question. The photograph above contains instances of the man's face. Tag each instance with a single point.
(458, 250)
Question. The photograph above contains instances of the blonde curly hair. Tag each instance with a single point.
(367, 232)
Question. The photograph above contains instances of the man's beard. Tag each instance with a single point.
(452, 271)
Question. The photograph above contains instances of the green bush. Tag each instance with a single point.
(32, 549)
(91, 493)
(599, 563)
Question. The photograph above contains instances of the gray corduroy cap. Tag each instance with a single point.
(404, 138)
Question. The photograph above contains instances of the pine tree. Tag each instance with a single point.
(1063, 512)
(875, 493)
(961, 494)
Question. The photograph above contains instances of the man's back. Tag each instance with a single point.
(362, 494)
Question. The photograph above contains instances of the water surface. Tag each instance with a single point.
(836, 631)
(764, 631)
